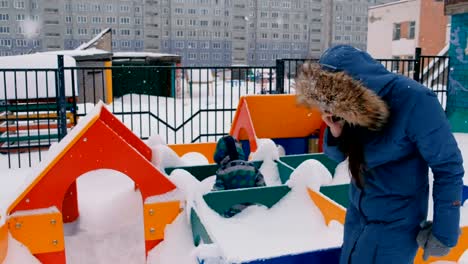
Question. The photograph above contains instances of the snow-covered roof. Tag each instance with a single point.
(30, 83)
(143, 55)
(80, 53)
(92, 41)
(51, 155)
(389, 4)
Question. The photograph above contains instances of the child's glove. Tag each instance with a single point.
(429, 243)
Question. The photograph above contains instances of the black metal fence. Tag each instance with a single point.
(180, 104)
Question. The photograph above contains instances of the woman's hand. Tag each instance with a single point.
(336, 127)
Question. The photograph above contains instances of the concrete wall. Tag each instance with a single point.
(380, 42)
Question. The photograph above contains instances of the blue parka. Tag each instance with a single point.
(383, 217)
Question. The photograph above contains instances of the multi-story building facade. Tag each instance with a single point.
(203, 32)
(254, 32)
(350, 21)
(396, 29)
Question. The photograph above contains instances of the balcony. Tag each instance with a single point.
(453, 7)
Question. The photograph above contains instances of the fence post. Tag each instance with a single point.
(417, 64)
(279, 76)
(61, 102)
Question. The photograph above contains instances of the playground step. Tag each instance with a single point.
(32, 116)
(33, 125)
(33, 107)
(17, 138)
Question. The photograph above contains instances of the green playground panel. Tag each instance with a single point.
(33, 107)
(295, 160)
(4, 139)
(338, 193)
(221, 201)
(199, 232)
(202, 172)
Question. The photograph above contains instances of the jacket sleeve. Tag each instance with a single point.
(259, 179)
(330, 147)
(429, 129)
(219, 184)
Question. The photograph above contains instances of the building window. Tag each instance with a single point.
(4, 17)
(125, 32)
(19, 5)
(137, 32)
(108, 8)
(21, 43)
(412, 30)
(125, 44)
(396, 31)
(411, 64)
(68, 19)
(395, 63)
(96, 8)
(124, 8)
(36, 43)
(97, 20)
(137, 21)
(192, 56)
(4, 4)
(204, 56)
(82, 31)
(5, 42)
(216, 45)
(124, 20)
(137, 9)
(20, 30)
(34, 5)
(96, 31)
(82, 7)
(82, 19)
(69, 31)
(179, 11)
(111, 20)
(179, 44)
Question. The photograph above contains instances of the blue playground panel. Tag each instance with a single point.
(325, 256)
(292, 146)
(465, 194)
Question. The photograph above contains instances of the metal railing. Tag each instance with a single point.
(180, 104)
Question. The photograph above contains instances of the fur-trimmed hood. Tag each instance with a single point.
(347, 83)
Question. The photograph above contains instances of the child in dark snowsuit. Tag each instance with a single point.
(234, 171)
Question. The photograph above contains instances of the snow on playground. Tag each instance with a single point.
(110, 227)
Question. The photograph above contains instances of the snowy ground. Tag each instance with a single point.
(107, 194)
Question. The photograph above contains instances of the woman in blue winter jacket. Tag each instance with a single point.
(391, 129)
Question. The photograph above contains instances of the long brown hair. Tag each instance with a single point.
(352, 145)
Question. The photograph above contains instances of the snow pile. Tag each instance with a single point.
(176, 246)
(462, 140)
(194, 159)
(289, 227)
(342, 174)
(110, 226)
(312, 174)
(268, 152)
(464, 214)
(165, 157)
(18, 253)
